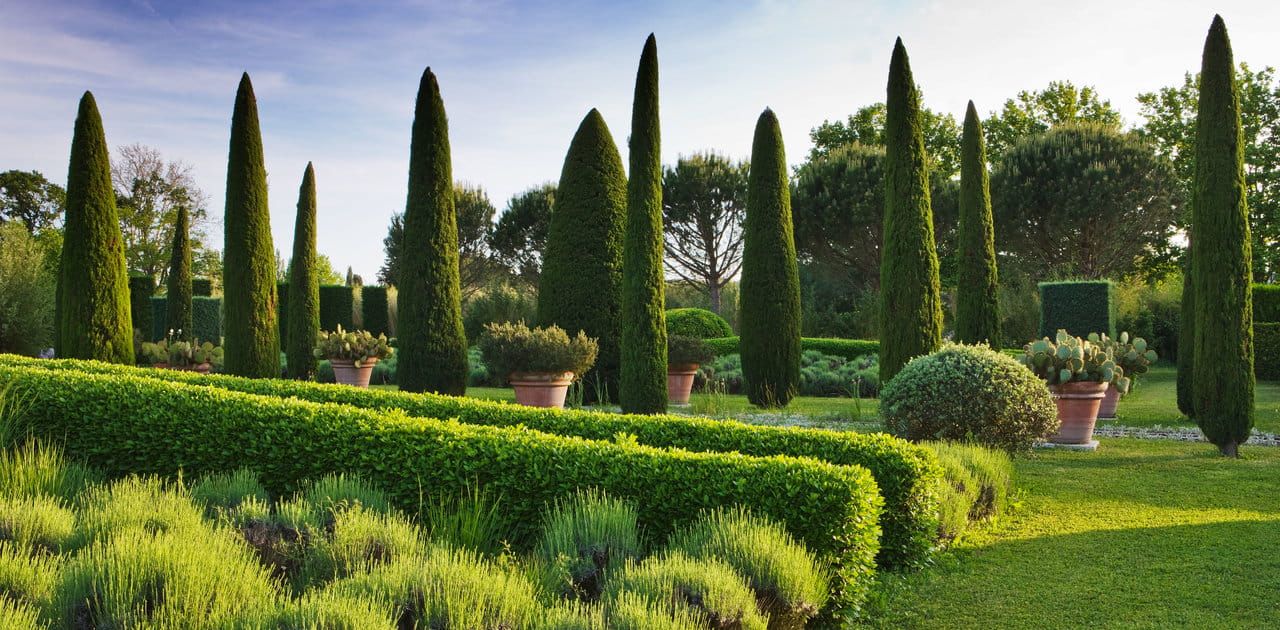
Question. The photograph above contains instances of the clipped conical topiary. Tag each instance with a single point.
(304, 285)
(581, 283)
(1222, 379)
(769, 315)
(644, 326)
(433, 346)
(977, 310)
(178, 298)
(251, 345)
(910, 308)
(93, 316)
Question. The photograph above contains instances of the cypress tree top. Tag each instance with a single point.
(304, 284)
(977, 313)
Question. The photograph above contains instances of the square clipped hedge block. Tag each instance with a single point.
(1266, 350)
(374, 311)
(1266, 303)
(201, 287)
(337, 306)
(141, 290)
(206, 319)
(1078, 307)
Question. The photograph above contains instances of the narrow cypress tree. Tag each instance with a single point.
(433, 346)
(252, 344)
(977, 309)
(178, 300)
(1222, 379)
(581, 283)
(769, 316)
(910, 309)
(1186, 336)
(304, 285)
(94, 320)
(644, 325)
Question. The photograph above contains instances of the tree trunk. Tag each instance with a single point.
(713, 293)
(1230, 449)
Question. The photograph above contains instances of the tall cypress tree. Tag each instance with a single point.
(1186, 335)
(433, 346)
(977, 310)
(1222, 379)
(769, 316)
(644, 325)
(581, 283)
(178, 300)
(93, 316)
(910, 309)
(304, 285)
(252, 336)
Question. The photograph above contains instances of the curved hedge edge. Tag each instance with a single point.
(909, 476)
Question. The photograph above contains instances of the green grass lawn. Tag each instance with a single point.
(1140, 534)
(1155, 401)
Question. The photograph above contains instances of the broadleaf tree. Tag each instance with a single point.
(149, 192)
(29, 197)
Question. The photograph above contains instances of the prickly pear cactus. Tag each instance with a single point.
(356, 346)
(1068, 359)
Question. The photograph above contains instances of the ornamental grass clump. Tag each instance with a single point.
(145, 504)
(228, 490)
(510, 348)
(583, 536)
(359, 540)
(708, 588)
(969, 393)
(26, 579)
(41, 524)
(35, 469)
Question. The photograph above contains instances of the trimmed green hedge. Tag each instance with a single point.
(847, 348)
(1266, 350)
(374, 313)
(1266, 303)
(337, 306)
(141, 290)
(1078, 307)
(129, 423)
(696, 322)
(282, 311)
(201, 287)
(159, 318)
(206, 318)
(908, 475)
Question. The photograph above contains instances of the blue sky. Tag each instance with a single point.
(336, 81)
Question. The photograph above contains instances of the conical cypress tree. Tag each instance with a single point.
(252, 337)
(1222, 379)
(910, 309)
(433, 346)
(94, 321)
(304, 285)
(1186, 336)
(977, 311)
(644, 325)
(581, 283)
(178, 299)
(769, 315)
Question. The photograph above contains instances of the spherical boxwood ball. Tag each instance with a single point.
(696, 322)
(969, 392)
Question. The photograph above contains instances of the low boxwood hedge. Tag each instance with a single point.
(131, 423)
(847, 348)
(908, 475)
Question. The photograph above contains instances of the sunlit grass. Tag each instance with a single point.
(1154, 401)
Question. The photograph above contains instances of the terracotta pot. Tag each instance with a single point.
(1107, 411)
(346, 372)
(539, 389)
(680, 382)
(1078, 404)
(199, 368)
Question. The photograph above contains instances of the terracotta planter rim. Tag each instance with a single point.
(540, 377)
(352, 363)
(682, 368)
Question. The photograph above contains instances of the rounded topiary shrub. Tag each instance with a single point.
(696, 322)
(969, 392)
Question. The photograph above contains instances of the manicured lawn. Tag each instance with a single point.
(1155, 401)
(1141, 534)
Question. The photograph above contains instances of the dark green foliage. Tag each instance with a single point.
(433, 346)
(93, 320)
(374, 312)
(178, 295)
(1186, 337)
(847, 348)
(907, 474)
(252, 344)
(696, 322)
(977, 309)
(769, 311)
(206, 318)
(159, 308)
(1079, 308)
(910, 308)
(1222, 378)
(303, 312)
(1266, 347)
(282, 308)
(141, 290)
(822, 375)
(1266, 303)
(643, 381)
(337, 306)
(580, 287)
(164, 427)
(201, 287)
(969, 393)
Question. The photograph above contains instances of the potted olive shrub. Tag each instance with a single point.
(541, 363)
(351, 354)
(684, 355)
(1078, 373)
(1135, 358)
(172, 353)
